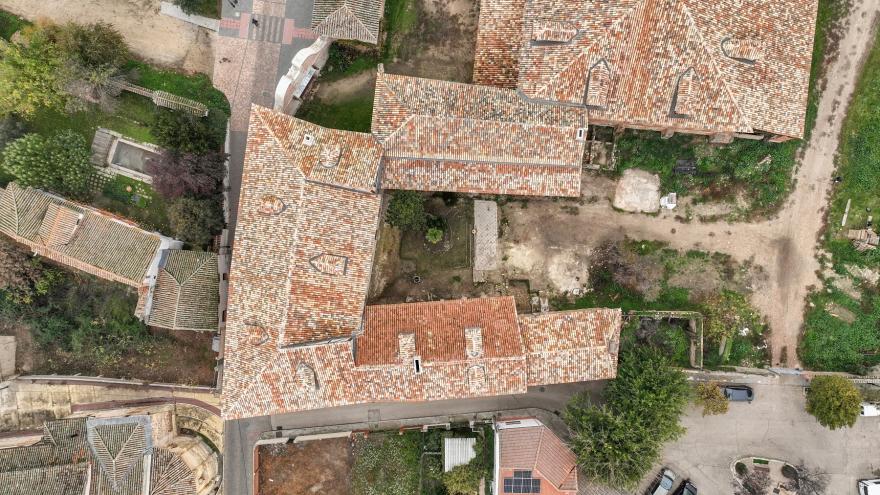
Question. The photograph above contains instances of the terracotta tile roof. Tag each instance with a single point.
(689, 65)
(466, 348)
(571, 346)
(94, 457)
(538, 449)
(496, 59)
(348, 19)
(187, 292)
(303, 248)
(440, 329)
(441, 135)
(76, 235)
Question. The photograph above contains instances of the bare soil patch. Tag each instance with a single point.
(318, 466)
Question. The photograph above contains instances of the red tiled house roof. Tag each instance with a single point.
(348, 19)
(719, 67)
(447, 136)
(539, 450)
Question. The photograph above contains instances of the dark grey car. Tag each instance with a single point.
(686, 488)
(738, 393)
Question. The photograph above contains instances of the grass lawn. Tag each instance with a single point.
(353, 114)
(831, 343)
(427, 258)
(136, 200)
(131, 117)
(740, 168)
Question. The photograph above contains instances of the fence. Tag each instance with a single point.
(165, 99)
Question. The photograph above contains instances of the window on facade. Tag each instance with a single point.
(598, 85)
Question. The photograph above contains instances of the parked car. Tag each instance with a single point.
(869, 487)
(869, 410)
(686, 488)
(664, 484)
(738, 393)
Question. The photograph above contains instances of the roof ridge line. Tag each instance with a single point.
(690, 18)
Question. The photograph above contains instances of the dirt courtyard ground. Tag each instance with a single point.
(154, 37)
(317, 466)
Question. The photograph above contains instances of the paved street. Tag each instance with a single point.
(775, 425)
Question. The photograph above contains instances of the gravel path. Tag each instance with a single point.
(157, 38)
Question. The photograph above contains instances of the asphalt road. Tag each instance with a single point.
(775, 425)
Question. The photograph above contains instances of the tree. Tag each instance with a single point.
(834, 401)
(809, 481)
(92, 46)
(187, 133)
(33, 75)
(406, 211)
(59, 163)
(195, 220)
(187, 174)
(710, 396)
(18, 273)
(755, 482)
(462, 480)
(616, 444)
(11, 128)
(191, 6)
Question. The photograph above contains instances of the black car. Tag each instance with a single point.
(686, 488)
(738, 393)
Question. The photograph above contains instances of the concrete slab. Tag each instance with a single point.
(638, 191)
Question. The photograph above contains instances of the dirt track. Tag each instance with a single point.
(785, 246)
(157, 38)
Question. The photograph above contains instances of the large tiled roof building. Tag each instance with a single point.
(299, 335)
(719, 68)
(348, 19)
(447, 136)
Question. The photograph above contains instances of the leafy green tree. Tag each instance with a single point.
(187, 133)
(406, 211)
(33, 75)
(834, 401)
(11, 128)
(196, 221)
(710, 396)
(59, 163)
(617, 443)
(462, 480)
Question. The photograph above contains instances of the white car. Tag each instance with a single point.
(869, 487)
(667, 479)
(869, 410)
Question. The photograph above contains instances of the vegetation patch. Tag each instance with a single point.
(76, 323)
(204, 8)
(648, 276)
(829, 342)
(350, 114)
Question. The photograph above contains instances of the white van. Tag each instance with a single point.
(869, 487)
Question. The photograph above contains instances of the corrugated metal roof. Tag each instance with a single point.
(458, 452)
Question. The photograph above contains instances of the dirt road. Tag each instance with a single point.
(150, 35)
(784, 246)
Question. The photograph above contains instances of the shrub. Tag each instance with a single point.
(18, 273)
(462, 480)
(196, 221)
(834, 401)
(741, 468)
(617, 443)
(92, 46)
(727, 313)
(406, 210)
(789, 472)
(11, 128)
(434, 235)
(187, 133)
(710, 396)
(188, 174)
(60, 162)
